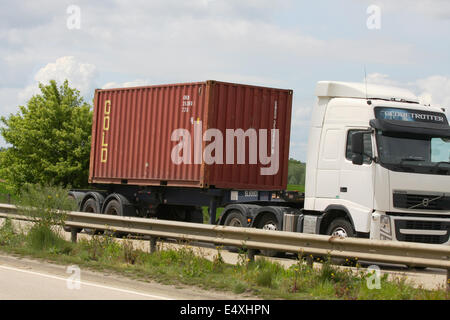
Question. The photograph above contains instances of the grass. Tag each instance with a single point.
(296, 187)
(261, 278)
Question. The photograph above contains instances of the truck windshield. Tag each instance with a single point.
(414, 153)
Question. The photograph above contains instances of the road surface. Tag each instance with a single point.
(29, 279)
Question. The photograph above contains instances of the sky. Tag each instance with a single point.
(287, 44)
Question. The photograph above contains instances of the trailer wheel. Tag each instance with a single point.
(114, 208)
(269, 222)
(91, 206)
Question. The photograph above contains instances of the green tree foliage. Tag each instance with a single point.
(296, 172)
(50, 139)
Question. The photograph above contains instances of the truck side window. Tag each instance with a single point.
(367, 146)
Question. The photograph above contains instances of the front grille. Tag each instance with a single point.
(421, 201)
(422, 225)
(423, 238)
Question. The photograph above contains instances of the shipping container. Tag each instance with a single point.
(137, 133)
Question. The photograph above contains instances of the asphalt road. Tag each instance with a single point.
(28, 279)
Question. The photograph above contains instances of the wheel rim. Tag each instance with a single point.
(339, 232)
(112, 211)
(270, 225)
(235, 222)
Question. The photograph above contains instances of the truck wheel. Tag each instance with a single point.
(69, 229)
(234, 219)
(91, 206)
(269, 222)
(341, 228)
(114, 208)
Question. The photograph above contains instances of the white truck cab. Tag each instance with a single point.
(378, 164)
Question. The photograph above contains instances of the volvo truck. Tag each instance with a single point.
(378, 161)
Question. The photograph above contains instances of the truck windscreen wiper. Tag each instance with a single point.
(416, 159)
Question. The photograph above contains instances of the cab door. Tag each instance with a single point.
(356, 182)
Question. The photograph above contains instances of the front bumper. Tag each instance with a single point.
(410, 229)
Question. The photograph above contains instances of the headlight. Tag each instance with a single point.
(385, 224)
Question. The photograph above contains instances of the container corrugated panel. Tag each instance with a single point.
(133, 127)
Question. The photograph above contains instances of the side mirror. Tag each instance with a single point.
(358, 148)
(357, 159)
(358, 143)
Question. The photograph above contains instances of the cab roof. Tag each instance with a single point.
(336, 89)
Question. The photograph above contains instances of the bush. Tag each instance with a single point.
(43, 238)
(103, 248)
(265, 278)
(130, 255)
(8, 235)
(44, 204)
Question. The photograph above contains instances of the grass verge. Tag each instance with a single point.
(261, 278)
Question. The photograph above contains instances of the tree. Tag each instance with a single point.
(296, 172)
(50, 139)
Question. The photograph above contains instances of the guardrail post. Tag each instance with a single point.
(73, 234)
(153, 245)
(251, 255)
(309, 260)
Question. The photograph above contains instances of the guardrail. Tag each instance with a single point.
(396, 252)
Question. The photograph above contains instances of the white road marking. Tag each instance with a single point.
(87, 283)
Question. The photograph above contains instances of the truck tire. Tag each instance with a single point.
(91, 206)
(234, 219)
(114, 208)
(69, 229)
(269, 222)
(341, 228)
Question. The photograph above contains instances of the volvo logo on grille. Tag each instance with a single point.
(425, 202)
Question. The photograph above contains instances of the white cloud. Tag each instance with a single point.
(8, 100)
(434, 90)
(181, 39)
(135, 83)
(381, 79)
(80, 76)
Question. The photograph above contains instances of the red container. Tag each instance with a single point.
(133, 128)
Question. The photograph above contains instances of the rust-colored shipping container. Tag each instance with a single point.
(133, 137)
